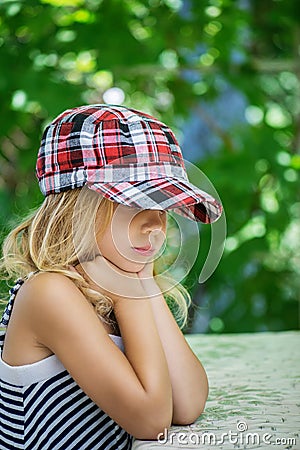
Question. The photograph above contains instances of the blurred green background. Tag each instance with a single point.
(224, 75)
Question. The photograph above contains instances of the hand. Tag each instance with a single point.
(147, 271)
(148, 281)
(110, 280)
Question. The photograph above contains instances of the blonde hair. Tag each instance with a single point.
(48, 241)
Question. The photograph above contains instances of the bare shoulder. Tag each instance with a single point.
(52, 300)
(46, 307)
(48, 283)
(48, 289)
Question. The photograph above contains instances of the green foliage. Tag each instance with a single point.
(169, 56)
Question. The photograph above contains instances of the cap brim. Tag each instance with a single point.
(166, 194)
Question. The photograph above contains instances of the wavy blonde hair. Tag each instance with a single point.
(48, 241)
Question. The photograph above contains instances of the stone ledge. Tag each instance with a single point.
(254, 399)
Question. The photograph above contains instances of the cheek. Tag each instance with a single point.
(119, 258)
(113, 239)
(160, 237)
(105, 244)
(117, 249)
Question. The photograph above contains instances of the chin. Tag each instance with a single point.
(129, 266)
(132, 267)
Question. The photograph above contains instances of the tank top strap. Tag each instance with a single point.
(12, 295)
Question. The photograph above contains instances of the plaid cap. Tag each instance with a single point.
(126, 155)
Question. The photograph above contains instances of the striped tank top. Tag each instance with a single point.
(42, 407)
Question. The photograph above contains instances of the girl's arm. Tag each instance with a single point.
(134, 390)
(188, 377)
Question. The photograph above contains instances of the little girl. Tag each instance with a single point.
(91, 355)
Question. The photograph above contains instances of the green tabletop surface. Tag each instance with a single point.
(254, 399)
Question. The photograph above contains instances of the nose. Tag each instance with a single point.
(154, 222)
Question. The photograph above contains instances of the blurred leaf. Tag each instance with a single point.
(175, 59)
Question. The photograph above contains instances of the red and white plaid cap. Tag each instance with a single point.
(126, 155)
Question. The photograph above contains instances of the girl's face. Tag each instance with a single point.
(133, 237)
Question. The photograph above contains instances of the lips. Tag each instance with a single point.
(146, 251)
